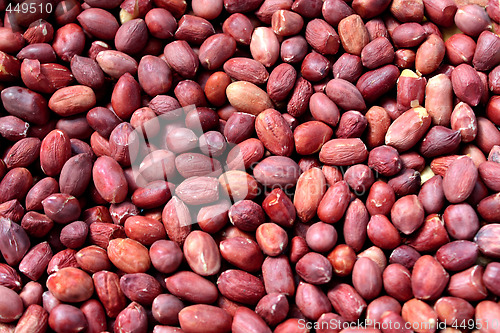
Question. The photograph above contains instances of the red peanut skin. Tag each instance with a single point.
(201, 253)
(64, 315)
(70, 285)
(98, 22)
(355, 225)
(54, 152)
(15, 184)
(96, 317)
(334, 203)
(407, 214)
(215, 50)
(132, 318)
(132, 36)
(264, 266)
(278, 276)
(281, 81)
(324, 109)
(380, 199)
(314, 268)
(246, 319)
(80, 164)
(231, 282)
(430, 236)
(310, 189)
(72, 100)
(274, 132)
(342, 259)
(273, 308)
(242, 252)
(215, 88)
(423, 287)
(126, 97)
(367, 278)
(431, 195)
(458, 188)
(382, 232)
(312, 301)
(12, 305)
(346, 302)
(403, 137)
(238, 26)
(397, 282)
(407, 182)
(196, 318)
(310, 136)
(385, 78)
(14, 241)
(279, 208)
(25, 104)
(140, 287)
(107, 286)
(109, 179)
(183, 283)
(466, 251)
(144, 230)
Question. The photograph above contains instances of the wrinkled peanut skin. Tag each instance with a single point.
(249, 166)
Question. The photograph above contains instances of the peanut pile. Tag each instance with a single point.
(285, 166)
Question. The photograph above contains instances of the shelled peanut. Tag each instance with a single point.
(249, 166)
